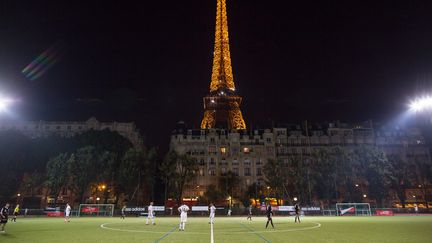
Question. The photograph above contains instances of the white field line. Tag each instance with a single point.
(211, 233)
(106, 227)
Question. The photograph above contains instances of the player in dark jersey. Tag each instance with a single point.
(269, 213)
(4, 215)
(297, 213)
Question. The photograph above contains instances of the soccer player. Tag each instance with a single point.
(123, 212)
(250, 213)
(4, 214)
(297, 213)
(212, 209)
(269, 213)
(183, 209)
(150, 214)
(15, 213)
(67, 213)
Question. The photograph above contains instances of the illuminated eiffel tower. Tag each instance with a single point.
(222, 105)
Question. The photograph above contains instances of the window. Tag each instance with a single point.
(212, 161)
(69, 127)
(223, 171)
(259, 172)
(212, 149)
(259, 161)
(235, 171)
(201, 172)
(246, 150)
(247, 162)
(247, 172)
(212, 140)
(201, 161)
(268, 140)
(269, 150)
(235, 162)
(212, 172)
(223, 150)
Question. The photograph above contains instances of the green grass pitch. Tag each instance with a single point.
(233, 229)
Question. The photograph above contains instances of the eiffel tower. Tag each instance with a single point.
(222, 105)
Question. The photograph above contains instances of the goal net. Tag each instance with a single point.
(96, 210)
(353, 209)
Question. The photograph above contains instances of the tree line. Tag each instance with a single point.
(347, 174)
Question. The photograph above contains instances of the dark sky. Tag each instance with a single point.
(150, 61)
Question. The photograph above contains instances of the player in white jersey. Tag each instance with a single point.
(67, 213)
(150, 214)
(183, 209)
(212, 209)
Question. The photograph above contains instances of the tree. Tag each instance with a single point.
(212, 194)
(177, 170)
(84, 169)
(253, 191)
(131, 171)
(377, 170)
(168, 171)
(12, 162)
(33, 181)
(401, 175)
(227, 184)
(57, 174)
(276, 177)
(105, 140)
(325, 173)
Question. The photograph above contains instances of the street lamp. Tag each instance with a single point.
(364, 195)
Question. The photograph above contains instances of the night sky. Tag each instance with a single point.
(150, 61)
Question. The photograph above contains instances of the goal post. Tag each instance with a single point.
(96, 210)
(353, 209)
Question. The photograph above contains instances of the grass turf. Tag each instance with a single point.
(234, 229)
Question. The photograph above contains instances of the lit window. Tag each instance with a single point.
(246, 150)
(223, 150)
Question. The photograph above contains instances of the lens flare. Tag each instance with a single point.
(44, 61)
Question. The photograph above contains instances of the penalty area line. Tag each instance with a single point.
(256, 233)
(166, 235)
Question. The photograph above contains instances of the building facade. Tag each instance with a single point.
(218, 151)
(37, 129)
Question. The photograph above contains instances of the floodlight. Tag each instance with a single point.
(421, 104)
